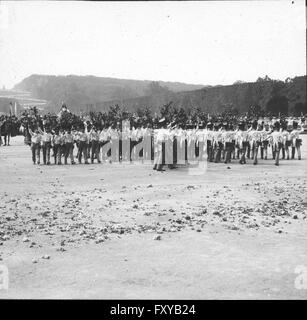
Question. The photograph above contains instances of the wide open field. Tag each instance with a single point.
(226, 231)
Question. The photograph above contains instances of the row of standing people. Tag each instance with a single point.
(222, 143)
(88, 143)
(217, 143)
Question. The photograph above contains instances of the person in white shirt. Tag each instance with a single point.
(276, 141)
(217, 143)
(133, 142)
(264, 142)
(46, 144)
(256, 142)
(58, 146)
(200, 141)
(148, 143)
(242, 142)
(114, 141)
(252, 134)
(138, 148)
(104, 138)
(286, 142)
(36, 139)
(125, 142)
(69, 146)
(161, 136)
(224, 135)
(76, 135)
(171, 146)
(228, 138)
(191, 142)
(83, 145)
(88, 141)
(296, 141)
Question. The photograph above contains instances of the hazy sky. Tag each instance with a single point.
(194, 42)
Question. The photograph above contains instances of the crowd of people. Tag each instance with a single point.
(9, 127)
(65, 137)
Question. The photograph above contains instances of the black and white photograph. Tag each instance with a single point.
(153, 150)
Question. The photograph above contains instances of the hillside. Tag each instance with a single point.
(287, 96)
(80, 91)
(93, 93)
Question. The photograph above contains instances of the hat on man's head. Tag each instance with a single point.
(209, 125)
(190, 126)
(162, 123)
(277, 125)
(241, 125)
(254, 124)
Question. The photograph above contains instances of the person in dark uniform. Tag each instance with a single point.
(218, 144)
(242, 141)
(94, 139)
(7, 128)
(209, 138)
(58, 146)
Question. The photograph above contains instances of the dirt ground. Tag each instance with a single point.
(125, 231)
